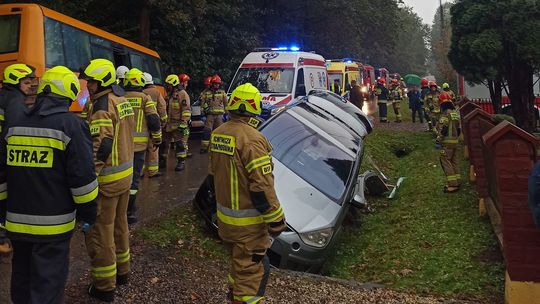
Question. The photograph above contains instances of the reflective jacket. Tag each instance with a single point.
(161, 104)
(112, 121)
(146, 118)
(382, 92)
(47, 164)
(213, 102)
(335, 88)
(431, 102)
(179, 110)
(448, 128)
(395, 94)
(241, 165)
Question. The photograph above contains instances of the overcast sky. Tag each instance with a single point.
(424, 8)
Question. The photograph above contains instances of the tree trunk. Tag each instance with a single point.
(495, 93)
(521, 94)
(144, 24)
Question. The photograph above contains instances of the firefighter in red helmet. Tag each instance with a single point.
(448, 131)
(213, 104)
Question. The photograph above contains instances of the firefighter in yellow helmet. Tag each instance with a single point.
(147, 128)
(47, 169)
(446, 88)
(431, 103)
(111, 120)
(396, 96)
(152, 153)
(213, 104)
(179, 116)
(248, 211)
(448, 131)
(18, 84)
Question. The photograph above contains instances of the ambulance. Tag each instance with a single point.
(281, 74)
(344, 71)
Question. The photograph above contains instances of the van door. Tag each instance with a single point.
(300, 89)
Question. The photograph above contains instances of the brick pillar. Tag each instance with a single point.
(512, 155)
(475, 125)
(464, 110)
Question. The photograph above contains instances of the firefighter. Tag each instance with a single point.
(213, 104)
(248, 211)
(112, 122)
(18, 83)
(382, 94)
(336, 87)
(179, 115)
(396, 96)
(424, 90)
(448, 131)
(152, 153)
(121, 74)
(431, 102)
(446, 88)
(147, 126)
(47, 169)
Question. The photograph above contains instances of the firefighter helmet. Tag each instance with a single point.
(245, 99)
(121, 71)
(424, 82)
(444, 97)
(148, 78)
(445, 85)
(134, 78)
(183, 78)
(172, 80)
(60, 81)
(100, 70)
(207, 81)
(381, 80)
(15, 72)
(432, 84)
(395, 81)
(216, 79)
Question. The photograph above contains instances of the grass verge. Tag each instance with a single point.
(423, 240)
(184, 228)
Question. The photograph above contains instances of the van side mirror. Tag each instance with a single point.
(359, 199)
(300, 90)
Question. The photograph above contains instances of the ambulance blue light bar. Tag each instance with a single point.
(292, 48)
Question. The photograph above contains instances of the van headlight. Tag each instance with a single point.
(363, 90)
(318, 238)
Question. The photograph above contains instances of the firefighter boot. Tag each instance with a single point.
(132, 210)
(104, 296)
(180, 166)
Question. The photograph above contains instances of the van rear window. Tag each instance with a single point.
(267, 80)
(9, 33)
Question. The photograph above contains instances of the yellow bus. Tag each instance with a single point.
(44, 38)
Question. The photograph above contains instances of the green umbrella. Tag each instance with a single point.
(412, 79)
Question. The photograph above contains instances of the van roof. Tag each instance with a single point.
(282, 59)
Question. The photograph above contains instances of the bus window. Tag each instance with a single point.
(76, 46)
(147, 64)
(101, 48)
(54, 48)
(9, 33)
(136, 61)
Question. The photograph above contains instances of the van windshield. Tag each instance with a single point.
(267, 80)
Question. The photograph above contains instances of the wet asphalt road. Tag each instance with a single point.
(156, 196)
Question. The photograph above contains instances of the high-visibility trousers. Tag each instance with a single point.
(151, 162)
(181, 144)
(396, 105)
(108, 242)
(212, 122)
(39, 271)
(383, 110)
(449, 164)
(250, 269)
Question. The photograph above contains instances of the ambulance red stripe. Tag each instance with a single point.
(267, 65)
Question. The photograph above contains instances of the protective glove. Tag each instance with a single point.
(86, 213)
(276, 228)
